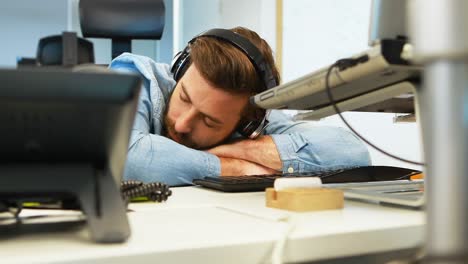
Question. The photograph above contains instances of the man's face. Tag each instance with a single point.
(200, 115)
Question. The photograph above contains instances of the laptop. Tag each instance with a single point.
(406, 193)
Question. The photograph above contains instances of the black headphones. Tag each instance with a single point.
(251, 128)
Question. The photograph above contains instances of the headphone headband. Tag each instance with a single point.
(249, 49)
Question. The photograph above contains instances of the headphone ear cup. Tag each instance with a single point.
(175, 61)
(179, 63)
(246, 129)
(252, 128)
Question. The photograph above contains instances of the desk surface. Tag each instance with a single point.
(202, 226)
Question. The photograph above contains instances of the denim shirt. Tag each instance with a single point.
(302, 146)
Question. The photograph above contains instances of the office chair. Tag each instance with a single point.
(122, 21)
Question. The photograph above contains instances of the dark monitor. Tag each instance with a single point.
(58, 116)
(65, 133)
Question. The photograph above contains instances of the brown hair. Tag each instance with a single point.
(227, 67)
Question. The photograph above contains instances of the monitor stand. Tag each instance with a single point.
(96, 191)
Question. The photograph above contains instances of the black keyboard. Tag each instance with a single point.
(254, 183)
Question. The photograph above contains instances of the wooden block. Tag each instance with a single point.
(305, 199)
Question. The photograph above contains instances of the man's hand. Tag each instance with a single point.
(235, 167)
(261, 151)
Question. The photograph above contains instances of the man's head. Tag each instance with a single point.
(214, 85)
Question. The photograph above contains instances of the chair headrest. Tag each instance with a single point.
(122, 19)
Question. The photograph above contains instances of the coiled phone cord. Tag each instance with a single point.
(154, 191)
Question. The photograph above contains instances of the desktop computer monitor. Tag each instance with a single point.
(65, 133)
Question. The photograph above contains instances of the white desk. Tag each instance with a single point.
(202, 226)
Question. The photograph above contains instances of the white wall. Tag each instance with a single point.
(198, 16)
(317, 33)
(24, 22)
(257, 15)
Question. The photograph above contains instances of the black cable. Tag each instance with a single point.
(344, 63)
(154, 191)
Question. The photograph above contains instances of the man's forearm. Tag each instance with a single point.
(261, 151)
(235, 167)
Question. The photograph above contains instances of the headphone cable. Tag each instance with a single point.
(342, 64)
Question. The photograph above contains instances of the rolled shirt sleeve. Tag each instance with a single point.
(157, 158)
(305, 147)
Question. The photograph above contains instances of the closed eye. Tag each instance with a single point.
(183, 98)
(210, 123)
